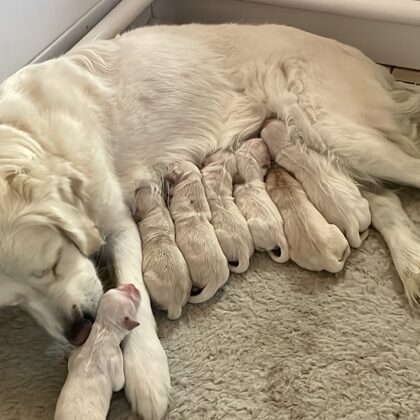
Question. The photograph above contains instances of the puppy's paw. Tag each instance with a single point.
(147, 380)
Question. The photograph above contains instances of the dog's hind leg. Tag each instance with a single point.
(399, 233)
(368, 153)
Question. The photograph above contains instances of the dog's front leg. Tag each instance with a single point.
(145, 363)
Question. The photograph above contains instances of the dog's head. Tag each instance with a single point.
(46, 239)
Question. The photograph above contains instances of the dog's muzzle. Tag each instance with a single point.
(79, 330)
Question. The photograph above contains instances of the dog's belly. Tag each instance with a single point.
(185, 91)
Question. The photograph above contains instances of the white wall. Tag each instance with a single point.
(31, 27)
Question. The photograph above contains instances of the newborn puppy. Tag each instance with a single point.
(314, 244)
(194, 233)
(95, 369)
(332, 191)
(229, 225)
(264, 220)
(165, 270)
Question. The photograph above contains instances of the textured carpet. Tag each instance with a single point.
(277, 343)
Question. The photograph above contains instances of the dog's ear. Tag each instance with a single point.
(129, 323)
(76, 225)
(69, 213)
(71, 184)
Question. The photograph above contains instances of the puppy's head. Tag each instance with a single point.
(118, 309)
(47, 237)
(223, 158)
(181, 171)
(259, 150)
(253, 159)
(147, 199)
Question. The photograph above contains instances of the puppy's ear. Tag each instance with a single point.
(130, 324)
(77, 226)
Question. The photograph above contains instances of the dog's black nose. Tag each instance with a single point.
(79, 330)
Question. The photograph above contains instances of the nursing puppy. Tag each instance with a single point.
(165, 271)
(96, 368)
(314, 244)
(332, 192)
(264, 220)
(229, 225)
(194, 233)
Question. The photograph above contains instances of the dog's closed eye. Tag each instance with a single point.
(43, 273)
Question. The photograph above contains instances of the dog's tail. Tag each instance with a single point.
(207, 293)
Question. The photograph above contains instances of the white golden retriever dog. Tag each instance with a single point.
(262, 216)
(80, 133)
(314, 243)
(328, 187)
(95, 370)
(194, 233)
(229, 225)
(165, 271)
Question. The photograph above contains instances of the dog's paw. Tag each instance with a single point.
(357, 221)
(147, 380)
(411, 282)
(362, 214)
(405, 254)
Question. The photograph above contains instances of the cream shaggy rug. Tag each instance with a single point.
(277, 343)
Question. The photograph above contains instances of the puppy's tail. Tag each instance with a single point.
(280, 254)
(174, 312)
(207, 293)
(242, 264)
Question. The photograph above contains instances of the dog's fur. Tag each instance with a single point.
(314, 244)
(80, 133)
(264, 220)
(229, 225)
(402, 237)
(195, 235)
(334, 193)
(96, 368)
(165, 271)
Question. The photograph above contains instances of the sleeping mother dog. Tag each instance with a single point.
(80, 133)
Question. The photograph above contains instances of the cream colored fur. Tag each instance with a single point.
(328, 187)
(195, 235)
(229, 225)
(264, 220)
(165, 271)
(80, 133)
(96, 369)
(314, 243)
